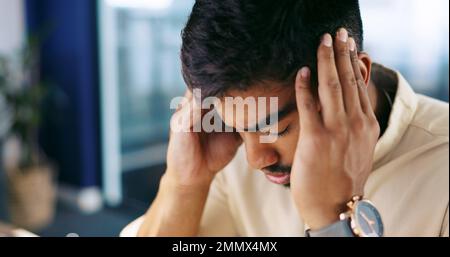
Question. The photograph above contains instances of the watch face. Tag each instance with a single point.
(368, 220)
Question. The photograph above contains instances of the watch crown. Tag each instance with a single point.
(356, 198)
(352, 202)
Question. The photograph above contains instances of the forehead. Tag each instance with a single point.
(263, 94)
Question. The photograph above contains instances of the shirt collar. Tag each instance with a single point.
(402, 114)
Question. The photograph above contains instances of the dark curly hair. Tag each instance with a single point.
(231, 44)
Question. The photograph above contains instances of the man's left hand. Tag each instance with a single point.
(338, 134)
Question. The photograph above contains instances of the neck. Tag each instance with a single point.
(383, 81)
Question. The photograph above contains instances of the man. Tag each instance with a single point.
(348, 131)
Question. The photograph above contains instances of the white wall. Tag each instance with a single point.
(12, 25)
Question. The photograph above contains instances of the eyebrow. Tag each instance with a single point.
(285, 111)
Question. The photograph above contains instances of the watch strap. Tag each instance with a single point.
(341, 228)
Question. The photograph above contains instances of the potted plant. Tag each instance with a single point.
(29, 175)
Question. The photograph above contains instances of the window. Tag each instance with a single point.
(141, 72)
(411, 36)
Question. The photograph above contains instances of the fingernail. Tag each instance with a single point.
(352, 44)
(305, 72)
(327, 40)
(343, 35)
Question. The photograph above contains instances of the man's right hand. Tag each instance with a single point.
(194, 158)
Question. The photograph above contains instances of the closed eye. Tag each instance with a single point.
(279, 134)
(284, 132)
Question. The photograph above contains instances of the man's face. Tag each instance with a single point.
(274, 159)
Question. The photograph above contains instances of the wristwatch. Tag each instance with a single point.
(361, 220)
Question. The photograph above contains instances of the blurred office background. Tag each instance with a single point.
(114, 66)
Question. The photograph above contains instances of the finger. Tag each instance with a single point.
(363, 93)
(306, 104)
(330, 92)
(188, 94)
(185, 119)
(186, 100)
(346, 73)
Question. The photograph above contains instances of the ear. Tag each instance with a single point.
(365, 65)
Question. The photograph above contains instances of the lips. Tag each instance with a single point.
(280, 178)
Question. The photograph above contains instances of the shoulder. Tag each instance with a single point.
(432, 116)
(424, 147)
(426, 137)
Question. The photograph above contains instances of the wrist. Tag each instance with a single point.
(360, 219)
(321, 219)
(172, 185)
(320, 216)
(177, 209)
(188, 177)
(323, 213)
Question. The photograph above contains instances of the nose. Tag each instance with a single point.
(259, 155)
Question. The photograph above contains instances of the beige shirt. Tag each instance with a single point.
(409, 184)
